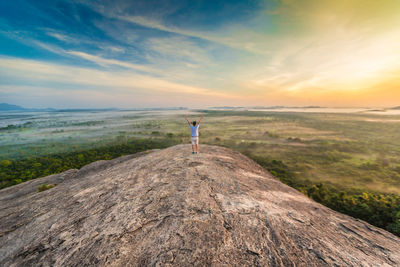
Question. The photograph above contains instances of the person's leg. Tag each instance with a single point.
(193, 145)
(197, 145)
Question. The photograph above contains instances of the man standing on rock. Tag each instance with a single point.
(194, 130)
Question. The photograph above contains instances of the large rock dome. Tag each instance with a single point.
(171, 208)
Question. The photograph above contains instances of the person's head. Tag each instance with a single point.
(194, 123)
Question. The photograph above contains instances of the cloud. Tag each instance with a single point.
(294, 51)
(115, 49)
(61, 37)
(78, 79)
(110, 62)
(223, 36)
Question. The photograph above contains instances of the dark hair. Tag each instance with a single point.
(194, 123)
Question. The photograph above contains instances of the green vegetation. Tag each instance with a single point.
(382, 210)
(348, 162)
(17, 171)
(45, 187)
(349, 151)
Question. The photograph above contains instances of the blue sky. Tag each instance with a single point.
(69, 54)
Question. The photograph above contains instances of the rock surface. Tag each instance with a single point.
(172, 208)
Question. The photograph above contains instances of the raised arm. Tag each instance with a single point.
(201, 119)
(187, 120)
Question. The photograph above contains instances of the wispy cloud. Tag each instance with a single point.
(62, 37)
(224, 36)
(110, 62)
(282, 53)
(67, 78)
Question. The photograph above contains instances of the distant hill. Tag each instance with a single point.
(398, 107)
(171, 208)
(9, 107)
(5, 106)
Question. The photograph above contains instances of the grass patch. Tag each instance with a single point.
(45, 187)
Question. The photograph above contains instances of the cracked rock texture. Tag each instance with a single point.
(171, 208)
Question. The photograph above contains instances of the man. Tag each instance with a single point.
(194, 130)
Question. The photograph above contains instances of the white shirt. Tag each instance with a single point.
(194, 130)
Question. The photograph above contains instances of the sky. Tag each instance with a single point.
(134, 54)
